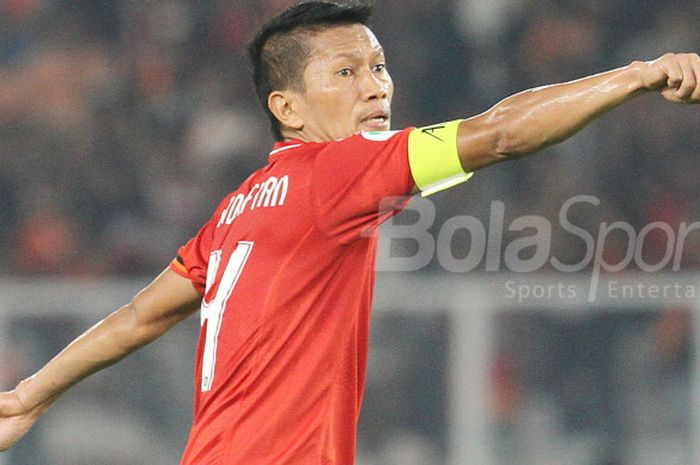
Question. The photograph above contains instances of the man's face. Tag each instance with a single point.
(347, 86)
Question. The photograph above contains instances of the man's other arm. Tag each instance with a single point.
(535, 119)
(168, 300)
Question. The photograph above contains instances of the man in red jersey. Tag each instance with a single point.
(284, 270)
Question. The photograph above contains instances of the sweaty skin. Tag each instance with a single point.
(534, 119)
(347, 81)
(168, 300)
(346, 85)
(347, 90)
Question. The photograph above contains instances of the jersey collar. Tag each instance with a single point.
(281, 147)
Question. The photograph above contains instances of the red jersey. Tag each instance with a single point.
(286, 269)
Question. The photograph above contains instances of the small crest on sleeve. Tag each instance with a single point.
(378, 136)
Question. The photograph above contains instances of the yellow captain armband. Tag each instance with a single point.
(433, 157)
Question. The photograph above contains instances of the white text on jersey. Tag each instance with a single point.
(270, 193)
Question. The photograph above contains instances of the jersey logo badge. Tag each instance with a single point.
(378, 136)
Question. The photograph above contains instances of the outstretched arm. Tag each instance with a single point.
(537, 118)
(168, 300)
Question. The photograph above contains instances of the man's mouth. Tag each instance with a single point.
(375, 120)
(378, 121)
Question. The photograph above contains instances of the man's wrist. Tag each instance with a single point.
(21, 396)
(637, 70)
(26, 397)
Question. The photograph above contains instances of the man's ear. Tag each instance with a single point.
(284, 106)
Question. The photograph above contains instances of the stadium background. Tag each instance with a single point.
(123, 123)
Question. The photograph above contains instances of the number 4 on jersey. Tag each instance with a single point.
(213, 312)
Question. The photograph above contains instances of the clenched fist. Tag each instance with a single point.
(676, 76)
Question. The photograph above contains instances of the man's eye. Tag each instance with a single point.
(379, 67)
(345, 72)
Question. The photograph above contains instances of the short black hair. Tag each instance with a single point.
(279, 52)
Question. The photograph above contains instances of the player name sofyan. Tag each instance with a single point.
(271, 192)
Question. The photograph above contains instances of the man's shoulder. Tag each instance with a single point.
(366, 141)
(296, 149)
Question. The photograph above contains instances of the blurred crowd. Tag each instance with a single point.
(124, 123)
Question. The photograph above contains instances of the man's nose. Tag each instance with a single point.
(373, 87)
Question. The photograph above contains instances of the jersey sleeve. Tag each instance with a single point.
(193, 257)
(361, 181)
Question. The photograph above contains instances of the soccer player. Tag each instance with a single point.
(283, 272)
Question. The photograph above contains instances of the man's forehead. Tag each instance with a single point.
(353, 39)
